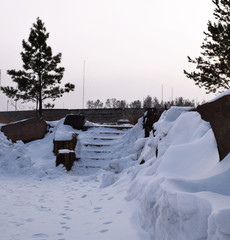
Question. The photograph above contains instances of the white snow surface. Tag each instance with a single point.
(226, 92)
(181, 191)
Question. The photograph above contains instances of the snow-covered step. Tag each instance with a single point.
(99, 139)
(89, 163)
(95, 144)
(112, 133)
(94, 154)
(105, 138)
(96, 148)
(117, 127)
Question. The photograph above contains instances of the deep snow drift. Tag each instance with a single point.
(180, 192)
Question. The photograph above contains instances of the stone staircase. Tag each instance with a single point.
(94, 145)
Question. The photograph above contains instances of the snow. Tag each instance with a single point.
(180, 191)
(65, 151)
(226, 92)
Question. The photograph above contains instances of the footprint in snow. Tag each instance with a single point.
(69, 209)
(119, 212)
(110, 198)
(40, 235)
(84, 196)
(66, 208)
(29, 220)
(63, 214)
(66, 227)
(97, 208)
(42, 208)
(19, 224)
(68, 202)
(104, 230)
(106, 223)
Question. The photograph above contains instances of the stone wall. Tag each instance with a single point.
(104, 115)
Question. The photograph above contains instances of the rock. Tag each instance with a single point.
(74, 120)
(218, 114)
(65, 157)
(26, 131)
(65, 143)
(142, 162)
(150, 118)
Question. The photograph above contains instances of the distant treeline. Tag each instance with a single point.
(148, 102)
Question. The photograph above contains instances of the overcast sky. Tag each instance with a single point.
(131, 47)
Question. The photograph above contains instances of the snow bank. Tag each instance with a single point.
(123, 154)
(181, 187)
(35, 159)
(13, 157)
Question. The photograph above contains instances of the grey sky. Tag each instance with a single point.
(131, 47)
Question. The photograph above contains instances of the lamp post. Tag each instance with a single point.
(83, 100)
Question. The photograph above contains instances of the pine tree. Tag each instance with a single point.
(41, 78)
(214, 62)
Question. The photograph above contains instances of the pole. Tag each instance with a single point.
(162, 95)
(83, 100)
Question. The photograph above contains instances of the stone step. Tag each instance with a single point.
(105, 134)
(112, 132)
(96, 144)
(98, 150)
(91, 163)
(94, 156)
(118, 127)
(105, 138)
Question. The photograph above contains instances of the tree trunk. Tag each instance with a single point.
(40, 96)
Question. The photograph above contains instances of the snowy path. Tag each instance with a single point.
(64, 209)
(50, 204)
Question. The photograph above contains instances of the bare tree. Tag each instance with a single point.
(148, 102)
(135, 104)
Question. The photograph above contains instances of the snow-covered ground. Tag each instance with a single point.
(181, 191)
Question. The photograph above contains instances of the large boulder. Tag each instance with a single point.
(218, 114)
(26, 131)
(75, 120)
